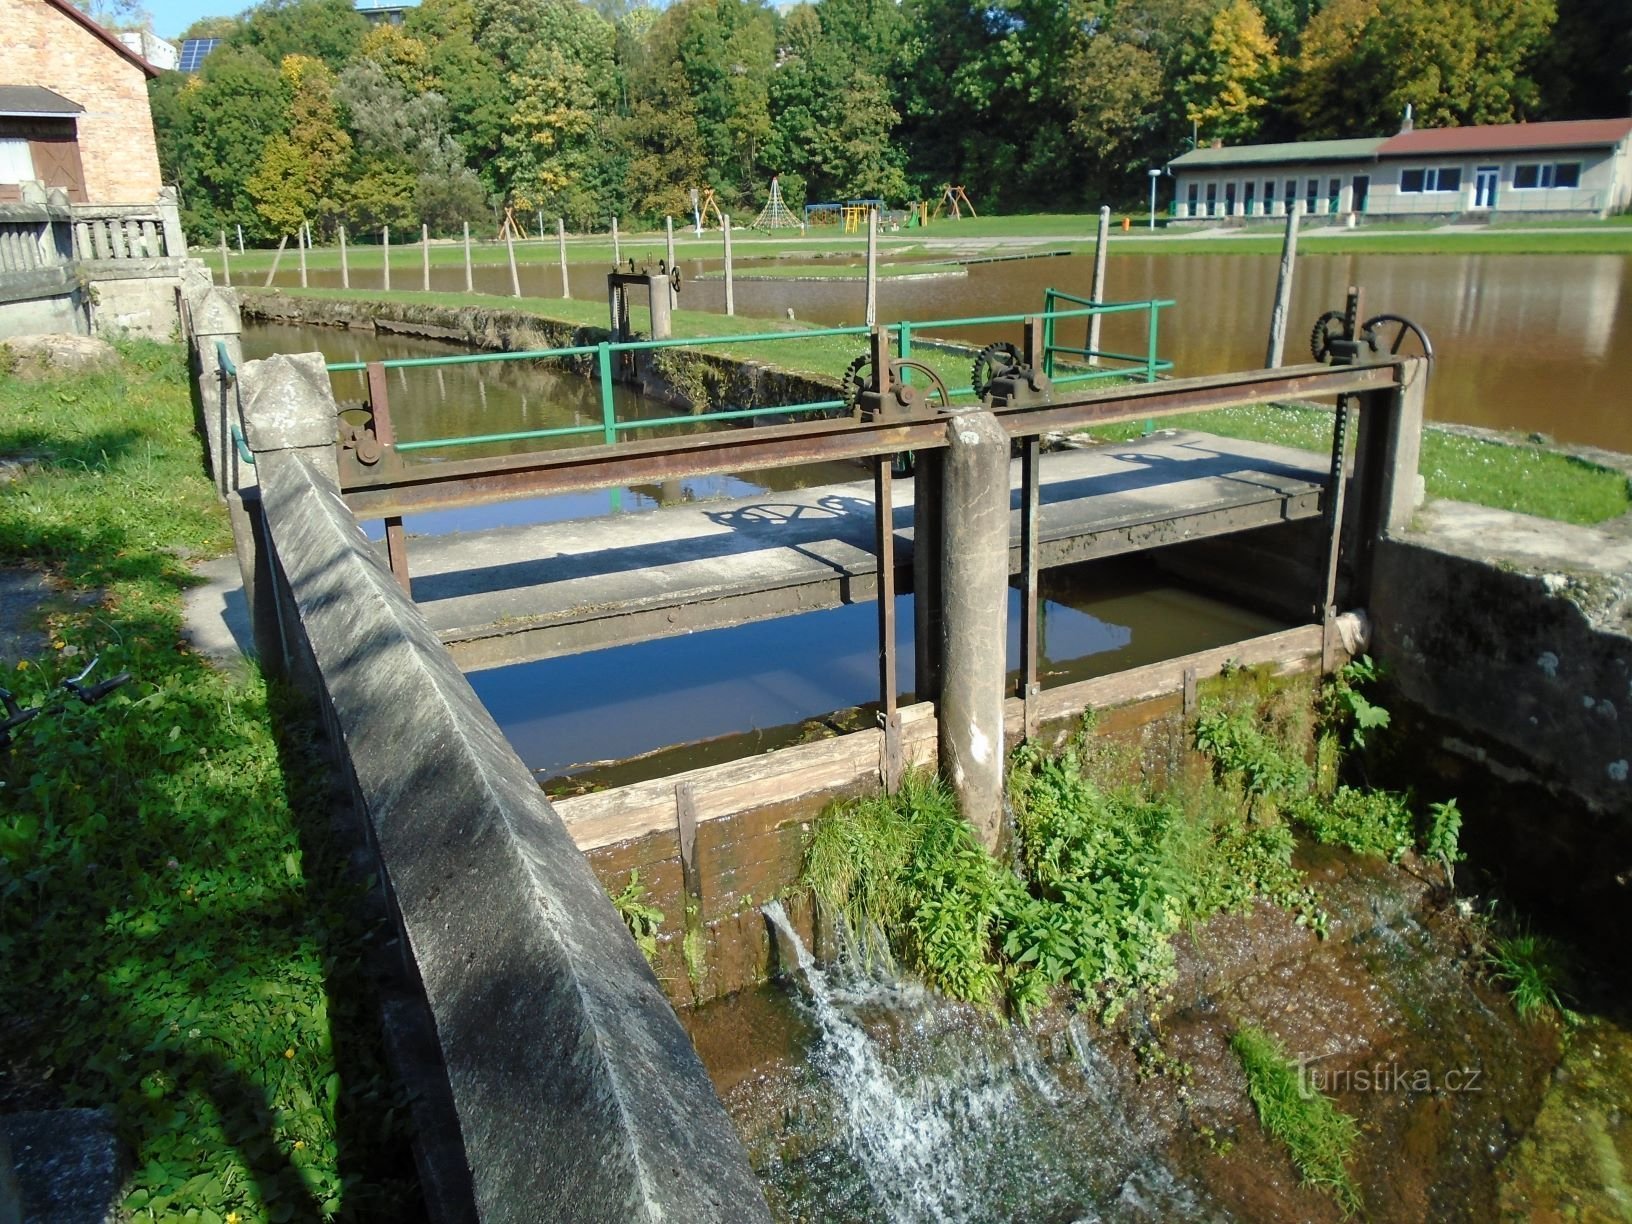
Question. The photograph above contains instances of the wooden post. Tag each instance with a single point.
(273, 270)
(1101, 250)
(668, 227)
(301, 239)
(870, 311)
(226, 272)
(617, 255)
(730, 289)
(345, 265)
(1283, 288)
(385, 255)
(469, 284)
(510, 247)
(561, 244)
(425, 257)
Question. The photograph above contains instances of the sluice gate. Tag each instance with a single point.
(549, 1033)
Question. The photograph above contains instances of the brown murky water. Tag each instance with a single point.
(1528, 342)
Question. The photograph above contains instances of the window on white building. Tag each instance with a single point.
(1547, 174)
(16, 163)
(1434, 178)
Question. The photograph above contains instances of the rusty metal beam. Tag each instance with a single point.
(393, 487)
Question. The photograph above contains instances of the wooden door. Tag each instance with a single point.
(56, 162)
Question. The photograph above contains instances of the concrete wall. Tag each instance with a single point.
(116, 145)
(572, 1089)
(1515, 629)
(140, 301)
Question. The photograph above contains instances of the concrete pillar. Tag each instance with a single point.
(175, 238)
(1101, 250)
(975, 601)
(617, 252)
(345, 265)
(288, 406)
(1283, 290)
(661, 292)
(468, 286)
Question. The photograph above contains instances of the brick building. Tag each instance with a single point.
(73, 107)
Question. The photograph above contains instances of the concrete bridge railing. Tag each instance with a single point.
(564, 1087)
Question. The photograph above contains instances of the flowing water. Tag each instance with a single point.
(915, 1110)
(1527, 342)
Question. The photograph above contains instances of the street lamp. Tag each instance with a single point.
(1154, 175)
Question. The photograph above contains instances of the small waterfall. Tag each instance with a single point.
(932, 1111)
(904, 1143)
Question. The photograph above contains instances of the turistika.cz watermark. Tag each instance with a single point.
(1385, 1078)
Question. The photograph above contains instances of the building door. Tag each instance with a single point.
(1484, 186)
(1361, 185)
(56, 162)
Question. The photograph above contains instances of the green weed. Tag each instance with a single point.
(1321, 1137)
(1536, 971)
(642, 920)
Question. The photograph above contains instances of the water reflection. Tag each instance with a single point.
(510, 397)
(763, 680)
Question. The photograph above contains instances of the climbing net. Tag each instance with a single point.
(775, 214)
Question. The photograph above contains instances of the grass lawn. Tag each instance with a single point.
(1518, 477)
(178, 937)
(1074, 232)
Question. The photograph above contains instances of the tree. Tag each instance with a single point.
(1362, 62)
(1232, 75)
(329, 30)
(301, 167)
(833, 123)
(211, 129)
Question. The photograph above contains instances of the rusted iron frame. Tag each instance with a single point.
(1030, 622)
(379, 413)
(888, 687)
(393, 488)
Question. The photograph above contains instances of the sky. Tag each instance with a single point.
(171, 17)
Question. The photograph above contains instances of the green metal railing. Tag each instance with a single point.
(609, 427)
(229, 373)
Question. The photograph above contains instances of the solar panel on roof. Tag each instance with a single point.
(194, 51)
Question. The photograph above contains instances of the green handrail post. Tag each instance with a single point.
(904, 348)
(609, 420)
(1048, 332)
(1150, 355)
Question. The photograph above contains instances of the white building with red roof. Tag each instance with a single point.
(1568, 168)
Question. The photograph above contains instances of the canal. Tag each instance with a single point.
(1535, 343)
